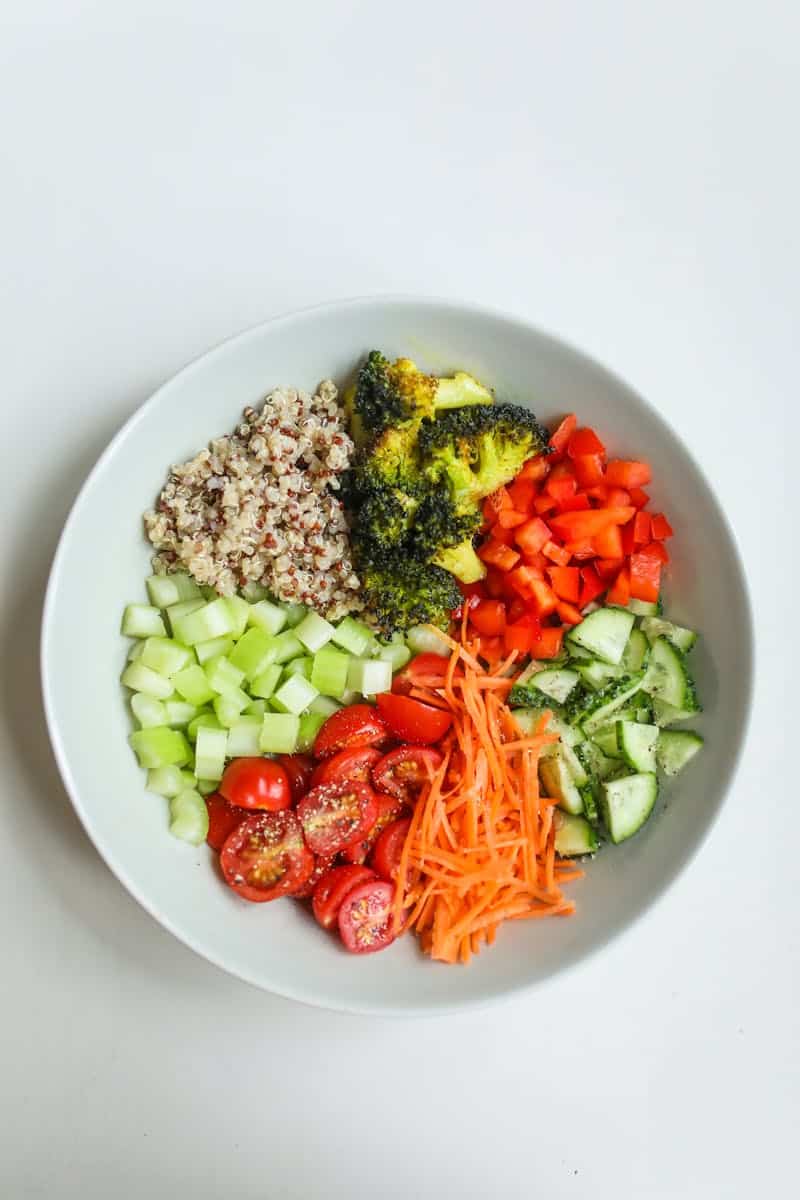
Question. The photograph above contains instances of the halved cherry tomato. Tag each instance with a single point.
(332, 888)
(389, 810)
(411, 721)
(403, 771)
(347, 764)
(389, 847)
(357, 725)
(256, 783)
(222, 819)
(266, 857)
(365, 917)
(321, 867)
(337, 814)
(299, 768)
(489, 617)
(424, 666)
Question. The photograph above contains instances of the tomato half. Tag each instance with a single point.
(365, 917)
(357, 725)
(332, 889)
(389, 847)
(337, 814)
(299, 769)
(265, 857)
(419, 672)
(389, 809)
(222, 819)
(347, 764)
(256, 783)
(321, 867)
(411, 720)
(403, 771)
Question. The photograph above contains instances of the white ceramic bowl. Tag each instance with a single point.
(101, 564)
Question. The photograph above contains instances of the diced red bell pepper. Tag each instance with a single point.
(617, 497)
(569, 614)
(543, 598)
(520, 635)
(491, 649)
(577, 503)
(470, 590)
(538, 562)
(495, 583)
(620, 590)
(645, 577)
(515, 609)
(639, 499)
(628, 546)
(531, 536)
(627, 474)
(660, 527)
(522, 493)
(565, 582)
(495, 504)
(560, 439)
(489, 617)
(609, 568)
(641, 528)
(581, 550)
(656, 550)
(598, 492)
(585, 441)
(589, 469)
(544, 504)
(534, 469)
(561, 483)
(575, 526)
(592, 586)
(608, 543)
(520, 580)
(498, 555)
(547, 643)
(556, 554)
(509, 518)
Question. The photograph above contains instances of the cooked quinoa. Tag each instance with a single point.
(261, 505)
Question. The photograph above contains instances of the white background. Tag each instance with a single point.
(624, 174)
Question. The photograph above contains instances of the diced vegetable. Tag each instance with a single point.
(676, 748)
(268, 617)
(627, 803)
(166, 590)
(160, 746)
(264, 684)
(143, 621)
(240, 613)
(253, 653)
(329, 671)
(223, 677)
(207, 719)
(286, 646)
(604, 633)
(369, 676)
(637, 745)
(244, 737)
(396, 653)
(279, 733)
(167, 781)
(189, 817)
(148, 711)
(574, 835)
(165, 656)
(324, 705)
(213, 620)
(314, 631)
(310, 725)
(192, 683)
(556, 683)
(682, 639)
(179, 713)
(299, 666)
(230, 706)
(143, 679)
(352, 636)
(209, 753)
(424, 639)
(294, 695)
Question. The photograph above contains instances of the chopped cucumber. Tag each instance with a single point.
(605, 633)
(627, 803)
(598, 766)
(244, 738)
(528, 720)
(207, 719)
(223, 677)
(179, 713)
(636, 652)
(314, 631)
(644, 608)
(590, 807)
(143, 621)
(148, 711)
(637, 745)
(209, 753)
(253, 653)
(667, 678)
(682, 639)
(267, 617)
(396, 653)
(279, 733)
(240, 614)
(574, 835)
(165, 656)
(189, 817)
(424, 639)
(143, 679)
(369, 676)
(264, 684)
(576, 767)
(209, 621)
(299, 666)
(352, 636)
(606, 741)
(192, 683)
(230, 706)
(592, 712)
(667, 714)
(294, 695)
(557, 781)
(160, 746)
(310, 725)
(329, 671)
(675, 748)
(556, 684)
(166, 781)
(597, 674)
(287, 646)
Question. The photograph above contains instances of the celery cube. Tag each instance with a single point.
(329, 672)
(160, 746)
(216, 619)
(148, 711)
(143, 679)
(210, 753)
(352, 636)
(230, 706)
(244, 737)
(314, 631)
(189, 817)
(192, 684)
(213, 648)
(287, 646)
(265, 683)
(294, 695)
(143, 620)
(253, 652)
(267, 616)
(207, 719)
(165, 656)
(298, 666)
(369, 676)
(279, 732)
(222, 675)
(179, 713)
(310, 725)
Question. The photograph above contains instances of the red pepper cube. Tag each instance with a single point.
(495, 503)
(509, 518)
(565, 582)
(498, 555)
(543, 598)
(544, 504)
(582, 550)
(560, 439)
(627, 474)
(522, 493)
(531, 536)
(534, 469)
(561, 483)
(660, 527)
(520, 634)
(585, 441)
(639, 499)
(547, 643)
(589, 469)
(609, 568)
(489, 617)
(592, 586)
(645, 577)
(568, 613)
(577, 503)
(556, 554)
(620, 590)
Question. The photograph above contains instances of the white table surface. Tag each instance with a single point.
(623, 174)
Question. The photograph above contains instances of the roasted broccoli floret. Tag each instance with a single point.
(385, 517)
(394, 394)
(477, 450)
(401, 592)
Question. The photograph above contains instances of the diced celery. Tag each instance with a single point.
(143, 679)
(256, 708)
(396, 653)
(136, 651)
(294, 695)
(298, 666)
(216, 619)
(212, 648)
(148, 711)
(324, 705)
(294, 613)
(352, 636)
(424, 639)
(207, 719)
(159, 746)
(244, 737)
(279, 733)
(205, 786)
(176, 613)
(369, 676)
(165, 590)
(267, 616)
(230, 707)
(254, 592)
(222, 675)
(165, 656)
(189, 817)
(253, 653)
(329, 671)
(192, 684)
(179, 713)
(314, 631)
(143, 620)
(349, 696)
(264, 684)
(240, 611)
(287, 646)
(310, 725)
(166, 781)
(210, 750)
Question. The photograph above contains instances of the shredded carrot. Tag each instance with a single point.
(480, 849)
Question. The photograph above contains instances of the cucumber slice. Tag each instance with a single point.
(222, 676)
(314, 631)
(667, 678)
(279, 733)
(576, 768)
(192, 683)
(597, 765)
(329, 671)
(636, 652)
(244, 737)
(294, 695)
(268, 617)
(590, 808)
(143, 621)
(557, 781)
(253, 653)
(160, 746)
(637, 745)
(179, 713)
(143, 679)
(682, 639)
(593, 711)
(209, 753)
(667, 714)
(310, 725)
(605, 633)
(528, 719)
(264, 684)
(644, 608)
(148, 711)
(369, 676)
(556, 684)
(352, 636)
(424, 639)
(574, 835)
(165, 656)
(189, 817)
(597, 674)
(627, 803)
(676, 748)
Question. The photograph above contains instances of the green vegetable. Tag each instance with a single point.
(209, 753)
(279, 733)
(329, 671)
(160, 746)
(189, 817)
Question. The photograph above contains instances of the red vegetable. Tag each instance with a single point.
(335, 815)
(256, 783)
(411, 720)
(357, 725)
(365, 917)
(265, 857)
(299, 769)
(566, 582)
(389, 847)
(389, 809)
(403, 771)
(660, 527)
(628, 474)
(347, 764)
(560, 439)
(489, 617)
(332, 889)
(223, 818)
